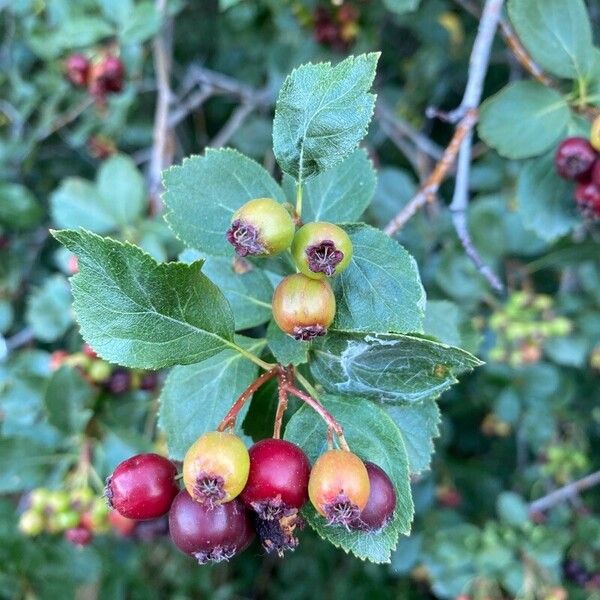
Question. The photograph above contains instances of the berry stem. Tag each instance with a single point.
(299, 199)
(332, 423)
(229, 420)
(282, 378)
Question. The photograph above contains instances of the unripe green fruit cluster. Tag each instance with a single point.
(303, 303)
(565, 462)
(521, 327)
(60, 511)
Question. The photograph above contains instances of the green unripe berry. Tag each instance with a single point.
(321, 250)
(81, 498)
(59, 501)
(39, 498)
(66, 519)
(31, 522)
(262, 227)
(99, 371)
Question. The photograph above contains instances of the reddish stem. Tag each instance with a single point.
(228, 421)
(282, 378)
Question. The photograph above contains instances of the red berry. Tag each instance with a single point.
(142, 487)
(278, 478)
(79, 536)
(339, 486)
(382, 500)
(73, 265)
(595, 176)
(587, 196)
(78, 69)
(574, 158)
(215, 468)
(122, 525)
(302, 307)
(57, 358)
(89, 351)
(209, 534)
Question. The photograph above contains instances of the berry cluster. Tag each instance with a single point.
(336, 27)
(115, 380)
(578, 159)
(232, 493)
(101, 76)
(521, 327)
(303, 303)
(77, 514)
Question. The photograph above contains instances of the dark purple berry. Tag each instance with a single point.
(574, 158)
(381, 503)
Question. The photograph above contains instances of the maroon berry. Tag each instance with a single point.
(209, 534)
(119, 382)
(112, 72)
(149, 381)
(595, 175)
(574, 158)
(278, 478)
(587, 196)
(79, 536)
(78, 69)
(142, 487)
(381, 503)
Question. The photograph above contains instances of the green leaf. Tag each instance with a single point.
(401, 6)
(49, 309)
(67, 399)
(381, 289)
(249, 293)
(116, 200)
(545, 200)
(322, 113)
(388, 368)
(512, 509)
(138, 313)
(285, 349)
(202, 194)
(195, 398)
(419, 424)
(373, 436)
(558, 35)
(340, 194)
(442, 321)
(19, 208)
(140, 24)
(81, 32)
(524, 119)
(121, 188)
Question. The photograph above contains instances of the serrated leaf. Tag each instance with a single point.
(49, 309)
(67, 400)
(322, 113)
(545, 200)
(381, 289)
(285, 349)
(388, 368)
(249, 293)
(558, 35)
(373, 436)
(340, 194)
(401, 6)
(419, 425)
(195, 398)
(117, 199)
(524, 119)
(202, 194)
(138, 313)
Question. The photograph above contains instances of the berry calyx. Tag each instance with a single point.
(262, 227)
(209, 534)
(303, 307)
(587, 196)
(78, 69)
(142, 487)
(382, 500)
(215, 468)
(339, 487)
(574, 158)
(278, 478)
(321, 250)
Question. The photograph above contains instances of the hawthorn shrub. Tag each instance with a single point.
(276, 316)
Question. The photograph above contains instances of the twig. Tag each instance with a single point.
(228, 421)
(564, 493)
(478, 66)
(235, 121)
(433, 182)
(163, 147)
(22, 338)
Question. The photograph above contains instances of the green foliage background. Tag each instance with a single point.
(507, 433)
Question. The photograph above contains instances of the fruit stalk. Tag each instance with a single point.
(282, 379)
